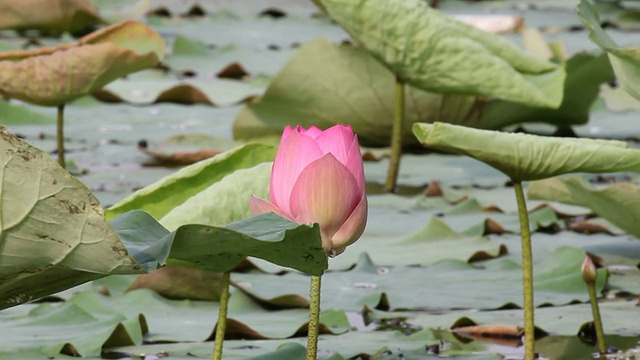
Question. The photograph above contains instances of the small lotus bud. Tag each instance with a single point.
(588, 270)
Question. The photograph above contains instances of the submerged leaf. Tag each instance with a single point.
(55, 75)
(529, 157)
(52, 231)
(436, 52)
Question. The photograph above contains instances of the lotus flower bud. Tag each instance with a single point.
(318, 177)
(588, 270)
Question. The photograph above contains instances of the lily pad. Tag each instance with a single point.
(53, 76)
(54, 237)
(445, 285)
(431, 51)
(530, 157)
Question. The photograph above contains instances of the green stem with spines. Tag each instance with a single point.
(527, 273)
(396, 138)
(221, 327)
(314, 317)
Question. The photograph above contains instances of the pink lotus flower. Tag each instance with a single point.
(318, 177)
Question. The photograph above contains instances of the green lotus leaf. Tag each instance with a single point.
(53, 76)
(62, 15)
(617, 203)
(529, 157)
(347, 86)
(53, 234)
(214, 191)
(266, 236)
(624, 60)
(435, 52)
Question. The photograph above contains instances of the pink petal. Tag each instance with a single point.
(355, 164)
(295, 153)
(337, 141)
(352, 229)
(260, 205)
(287, 130)
(313, 132)
(325, 192)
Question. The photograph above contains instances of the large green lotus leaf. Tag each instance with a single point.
(52, 230)
(78, 332)
(53, 76)
(585, 73)
(62, 15)
(529, 157)
(169, 194)
(347, 86)
(445, 285)
(220, 248)
(438, 53)
(617, 203)
(624, 60)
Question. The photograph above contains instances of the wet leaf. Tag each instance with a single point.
(53, 76)
(52, 238)
(530, 157)
(63, 15)
(430, 50)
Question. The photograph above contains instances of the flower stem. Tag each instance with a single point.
(314, 317)
(527, 273)
(60, 136)
(597, 320)
(396, 138)
(222, 317)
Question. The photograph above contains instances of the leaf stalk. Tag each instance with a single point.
(221, 327)
(60, 135)
(314, 317)
(527, 273)
(396, 138)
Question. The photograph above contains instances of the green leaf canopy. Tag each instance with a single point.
(53, 234)
(529, 157)
(55, 75)
(624, 60)
(435, 52)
